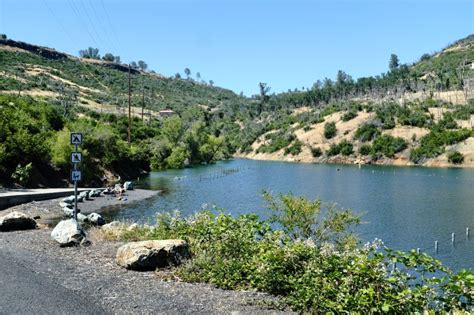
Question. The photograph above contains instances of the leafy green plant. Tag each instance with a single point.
(367, 132)
(344, 147)
(294, 148)
(388, 145)
(306, 255)
(349, 115)
(316, 152)
(455, 157)
(330, 130)
(22, 174)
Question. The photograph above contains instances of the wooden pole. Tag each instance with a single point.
(129, 105)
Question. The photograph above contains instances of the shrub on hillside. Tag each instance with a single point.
(330, 130)
(349, 115)
(365, 149)
(316, 152)
(387, 145)
(367, 132)
(294, 148)
(344, 147)
(455, 157)
(433, 144)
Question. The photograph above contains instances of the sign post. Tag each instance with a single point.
(76, 158)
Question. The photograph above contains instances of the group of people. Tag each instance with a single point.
(116, 191)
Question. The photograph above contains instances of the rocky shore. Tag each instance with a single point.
(92, 277)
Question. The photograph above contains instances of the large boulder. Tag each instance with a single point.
(69, 200)
(68, 233)
(15, 221)
(84, 195)
(96, 219)
(149, 255)
(63, 204)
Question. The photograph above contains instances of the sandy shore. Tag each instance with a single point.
(49, 211)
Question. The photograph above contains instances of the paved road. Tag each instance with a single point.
(24, 292)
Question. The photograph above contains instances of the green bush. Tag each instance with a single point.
(344, 147)
(433, 144)
(294, 148)
(306, 255)
(367, 132)
(330, 130)
(365, 149)
(387, 145)
(455, 157)
(278, 141)
(349, 115)
(316, 152)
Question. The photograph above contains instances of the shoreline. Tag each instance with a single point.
(49, 210)
(343, 161)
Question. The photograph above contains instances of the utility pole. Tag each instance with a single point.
(143, 101)
(129, 105)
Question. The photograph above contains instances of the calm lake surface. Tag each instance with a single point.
(406, 207)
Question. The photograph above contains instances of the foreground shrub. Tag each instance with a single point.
(306, 255)
(455, 157)
(349, 115)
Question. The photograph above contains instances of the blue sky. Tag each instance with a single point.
(237, 44)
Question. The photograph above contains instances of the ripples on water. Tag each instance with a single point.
(407, 207)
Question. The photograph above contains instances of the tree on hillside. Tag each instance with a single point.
(177, 76)
(187, 72)
(142, 65)
(117, 59)
(3, 36)
(211, 83)
(108, 57)
(264, 89)
(198, 76)
(393, 63)
(133, 65)
(90, 53)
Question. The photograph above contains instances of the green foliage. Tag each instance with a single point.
(433, 144)
(330, 130)
(349, 115)
(455, 157)
(177, 158)
(306, 255)
(367, 132)
(365, 149)
(387, 145)
(316, 152)
(294, 148)
(22, 174)
(278, 140)
(344, 147)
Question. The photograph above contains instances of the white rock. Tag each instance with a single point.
(95, 218)
(128, 186)
(82, 218)
(68, 233)
(15, 221)
(63, 204)
(149, 255)
(112, 225)
(68, 212)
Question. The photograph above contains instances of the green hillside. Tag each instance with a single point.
(46, 93)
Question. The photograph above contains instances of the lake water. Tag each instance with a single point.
(406, 207)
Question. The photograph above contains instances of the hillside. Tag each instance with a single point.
(414, 114)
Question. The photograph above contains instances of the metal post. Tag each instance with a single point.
(436, 246)
(418, 250)
(453, 238)
(467, 232)
(75, 190)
